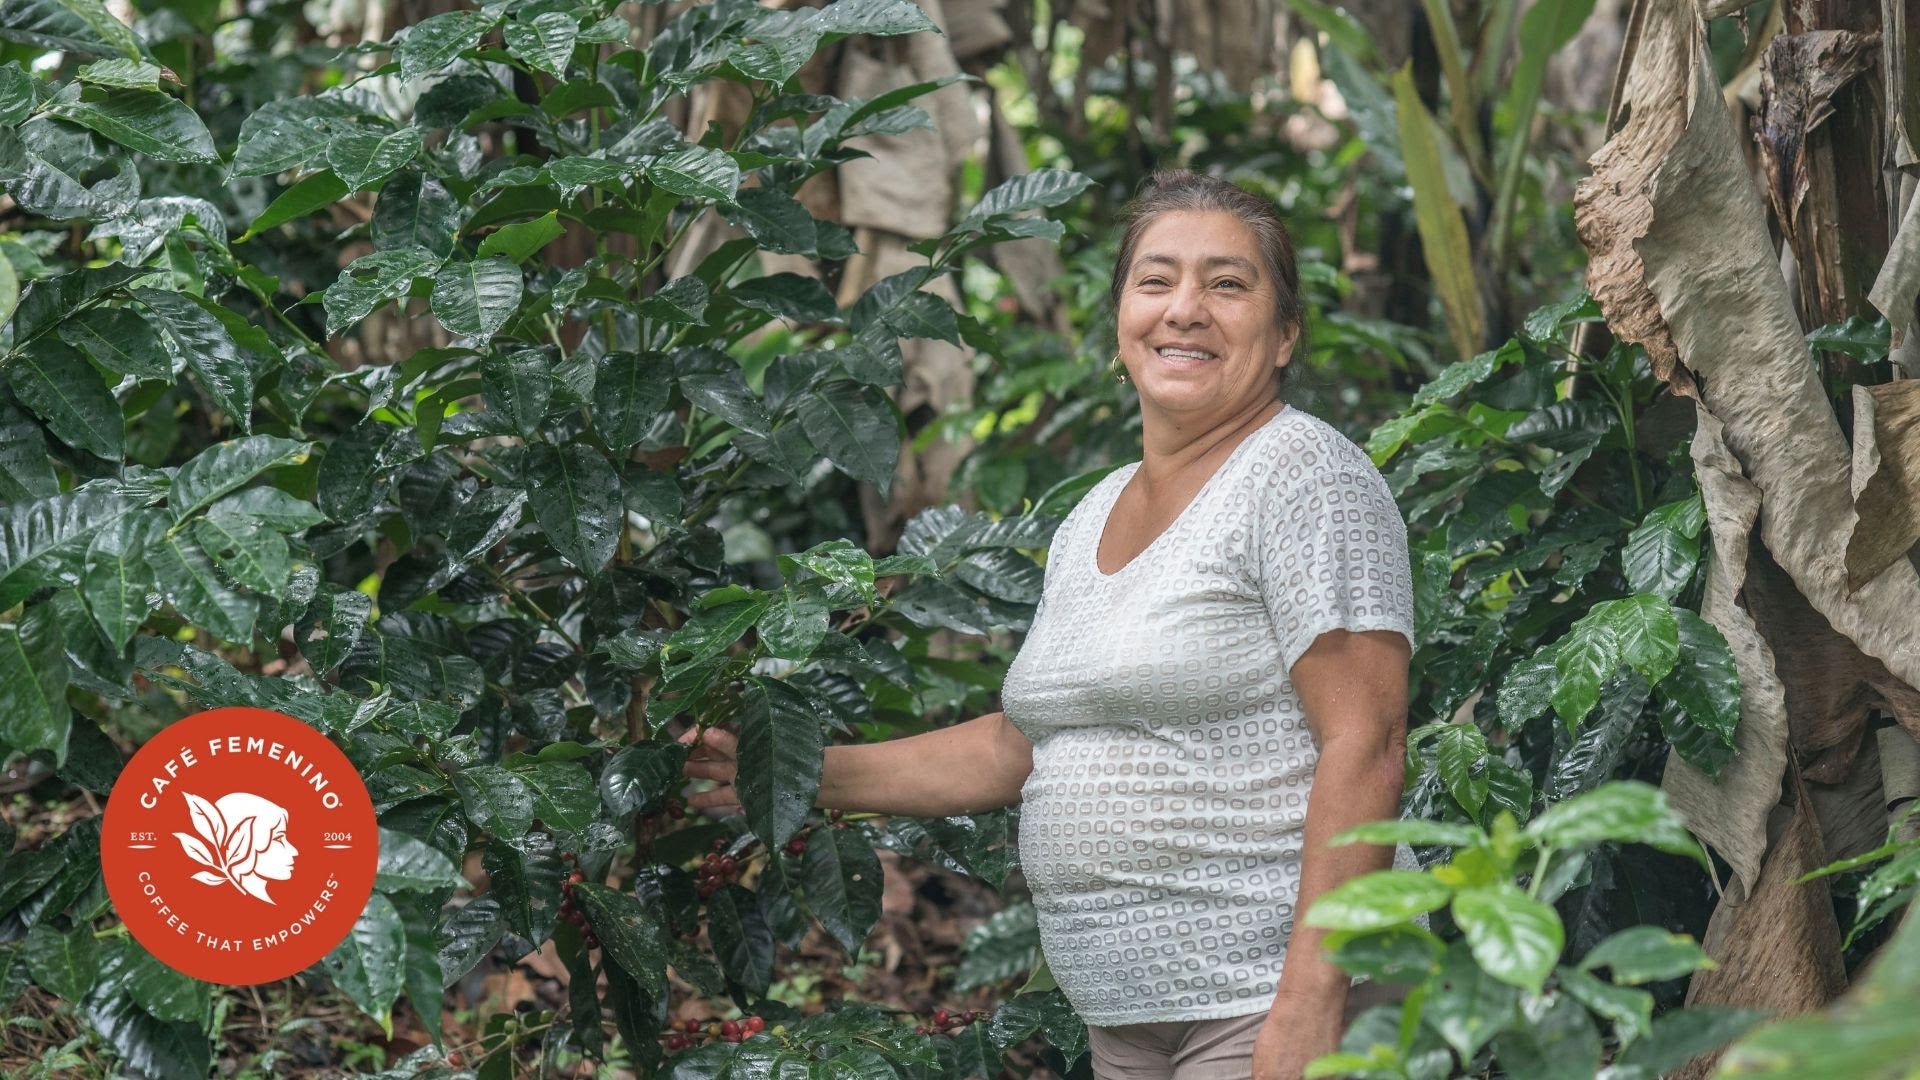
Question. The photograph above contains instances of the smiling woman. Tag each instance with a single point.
(1249, 253)
(1216, 681)
(1214, 684)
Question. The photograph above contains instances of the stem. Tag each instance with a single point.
(712, 502)
(647, 268)
(1539, 872)
(1590, 501)
(507, 1042)
(1633, 457)
(637, 708)
(527, 604)
(736, 264)
(1508, 193)
(267, 302)
(1623, 408)
(593, 114)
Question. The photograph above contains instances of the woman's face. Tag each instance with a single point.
(1197, 332)
(276, 860)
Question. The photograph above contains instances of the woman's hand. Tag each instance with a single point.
(715, 756)
(1298, 1029)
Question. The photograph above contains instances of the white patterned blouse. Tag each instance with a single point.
(1161, 827)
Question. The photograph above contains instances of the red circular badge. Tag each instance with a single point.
(239, 846)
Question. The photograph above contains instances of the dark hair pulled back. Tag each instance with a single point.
(1169, 191)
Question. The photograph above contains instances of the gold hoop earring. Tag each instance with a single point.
(1119, 370)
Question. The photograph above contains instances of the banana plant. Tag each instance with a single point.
(1467, 165)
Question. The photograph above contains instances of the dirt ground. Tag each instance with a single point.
(301, 1027)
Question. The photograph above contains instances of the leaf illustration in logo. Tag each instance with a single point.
(197, 851)
(208, 877)
(239, 844)
(207, 822)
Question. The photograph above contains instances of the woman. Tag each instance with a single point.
(1213, 686)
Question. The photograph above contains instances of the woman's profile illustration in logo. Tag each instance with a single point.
(242, 842)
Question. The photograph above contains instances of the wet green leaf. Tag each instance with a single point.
(781, 754)
(54, 380)
(370, 964)
(150, 122)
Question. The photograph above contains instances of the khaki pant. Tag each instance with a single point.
(1200, 1049)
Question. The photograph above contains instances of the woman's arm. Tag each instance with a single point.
(1354, 688)
(964, 769)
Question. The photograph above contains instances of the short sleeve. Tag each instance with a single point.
(1063, 534)
(1046, 581)
(1055, 547)
(1333, 556)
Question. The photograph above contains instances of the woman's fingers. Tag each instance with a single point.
(724, 795)
(722, 801)
(710, 770)
(712, 756)
(711, 742)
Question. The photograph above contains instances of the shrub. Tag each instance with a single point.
(497, 570)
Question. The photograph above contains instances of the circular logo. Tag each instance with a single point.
(239, 846)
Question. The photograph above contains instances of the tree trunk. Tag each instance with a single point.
(1686, 262)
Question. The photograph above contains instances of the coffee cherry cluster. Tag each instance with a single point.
(732, 1031)
(569, 911)
(943, 1022)
(797, 846)
(651, 826)
(717, 870)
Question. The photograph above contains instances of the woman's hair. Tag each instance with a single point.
(264, 819)
(1172, 190)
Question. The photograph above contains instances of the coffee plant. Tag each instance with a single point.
(1499, 991)
(1556, 552)
(601, 496)
(504, 571)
